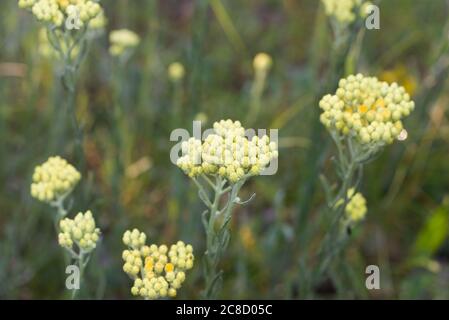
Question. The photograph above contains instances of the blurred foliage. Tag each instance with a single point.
(406, 229)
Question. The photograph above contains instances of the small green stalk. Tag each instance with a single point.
(82, 260)
(256, 95)
(65, 46)
(349, 163)
(61, 211)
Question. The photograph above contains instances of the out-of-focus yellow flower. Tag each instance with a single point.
(56, 12)
(158, 271)
(367, 109)
(400, 75)
(201, 116)
(122, 41)
(54, 179)
(345, 11)
(262, 62)
(176, 71)
(80, 230)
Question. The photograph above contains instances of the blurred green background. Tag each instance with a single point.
(406, 228)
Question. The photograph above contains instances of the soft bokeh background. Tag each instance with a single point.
(406, 229)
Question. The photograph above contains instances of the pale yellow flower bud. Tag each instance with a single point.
(176, 71)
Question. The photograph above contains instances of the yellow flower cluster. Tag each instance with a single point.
(56, 12)
(356, 208)
(122, 40)
(227, 152)
(345, 11)
(366, 108)
(53, 180)
(157, 271)
(80, 230)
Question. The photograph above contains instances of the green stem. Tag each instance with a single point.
(335, 239)
(256, 96)
(212, 256)
(119, 135)
(61, 212)
(65, 45)
(216, 224)
(81, 262)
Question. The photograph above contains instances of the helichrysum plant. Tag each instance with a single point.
(176, 71)
(53, 181)
(222, 164)
(157, 271)
(67, 24)
(262, 63)
(95, 29)
(363, 116)
(79, 237)
(347, 20)
(345, 11)
(123, 44)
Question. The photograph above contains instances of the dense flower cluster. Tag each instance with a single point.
(56, 12)
(366, 108)
(227, 152)
(158, 271)
(80, 230)
(54, 179)
(122, 41)
(356, 208)
(345, 11)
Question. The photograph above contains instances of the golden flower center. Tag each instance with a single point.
(169, 267)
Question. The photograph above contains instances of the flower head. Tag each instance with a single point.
(227, 153)
(366, 109)
(56, 12)
(54, 179)
(80, 230)
(262, 62)
(356, 208)
(158, 271)
(122, 41)
(345, 11)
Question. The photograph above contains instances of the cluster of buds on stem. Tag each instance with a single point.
(80, 231)
(366, 109)
(157, 271)
(227, 153)
(345, 11)
(54, 179)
